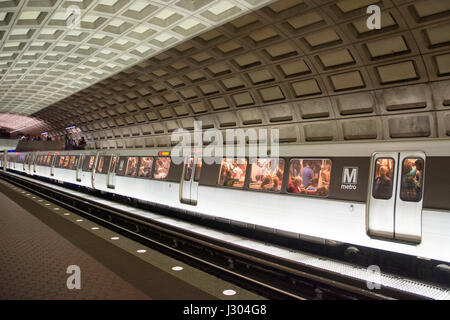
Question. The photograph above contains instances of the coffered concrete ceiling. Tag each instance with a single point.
(310, 68)
(50, 49)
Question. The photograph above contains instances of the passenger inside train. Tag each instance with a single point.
(131, 166)
(382, 185)
(309, 176)
(232, 173)
(162, 166)
(412, 179)
(145, 167)
(267, 174)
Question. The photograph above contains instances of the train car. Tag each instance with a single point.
(391, 195)
(43, 164)
(65, 167)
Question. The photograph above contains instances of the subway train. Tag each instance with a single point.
(392, 196)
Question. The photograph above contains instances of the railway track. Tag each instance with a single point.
(270, 276)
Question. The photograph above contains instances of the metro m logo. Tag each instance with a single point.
(350, 175)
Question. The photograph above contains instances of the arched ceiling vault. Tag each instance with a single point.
(50, 49)
(310, 68)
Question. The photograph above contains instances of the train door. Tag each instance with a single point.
(52, 165)
(5, 160)
(94, 167)
(79, 168)
(35, 159)
(189, 180)
(396, 196)
(111, 178)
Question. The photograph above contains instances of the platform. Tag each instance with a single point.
(39, 240)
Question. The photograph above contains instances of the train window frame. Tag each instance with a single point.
(139, 167)
(374, 178)
(197, 173)
(105, 165)
(121, 172)
(49, 161)
(154, 168)
(82, 162)
(401, 179)
(75, 162)
(288, 168)
(87, 163)
(113, 164)
(59, 161)
(243, 187)
(186, 166)
(66, 161)
(281, 180)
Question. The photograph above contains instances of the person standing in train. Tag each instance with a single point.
(307, 174)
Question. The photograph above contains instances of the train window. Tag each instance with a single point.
(232, 172)
(88, 163)
(62, 162)
(162, 167)
(382, 184)
(198, 169)
(83, 163)
(267, 174)
(145, 167)
(188, 170)
(309, 176)
(91, 163)
(49, 161)
(66, 161)
(122, 166)
(103, 163)
(412, 180)
(132, 165)
(112, 167)
(72, 162)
